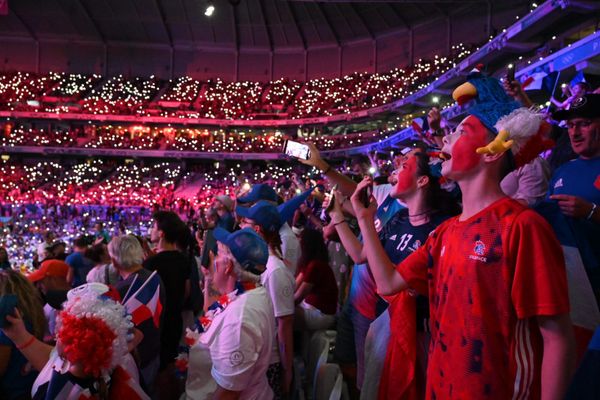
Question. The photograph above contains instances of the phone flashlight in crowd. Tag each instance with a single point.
(510, 73)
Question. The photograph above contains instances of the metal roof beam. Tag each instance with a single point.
(267, 27)
(163, 19)
(297, 25)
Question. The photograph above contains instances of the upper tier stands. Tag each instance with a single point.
(214, 99)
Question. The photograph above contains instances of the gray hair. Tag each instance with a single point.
(126, 250)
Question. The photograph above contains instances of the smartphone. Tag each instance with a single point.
(8, 302)
(365, 196)
(331, 199)
(510, 72)
(296, 149)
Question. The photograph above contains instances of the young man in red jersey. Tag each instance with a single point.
(495, 276)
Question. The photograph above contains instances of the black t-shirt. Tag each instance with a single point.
(174, 269)
(400, 239)
(150, 346)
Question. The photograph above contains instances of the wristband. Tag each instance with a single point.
(27, 344)
(591, 214)
(327, 170)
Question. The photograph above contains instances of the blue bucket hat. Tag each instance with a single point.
(287, 209)
(258, 192)
(264, 213)
(247, 247)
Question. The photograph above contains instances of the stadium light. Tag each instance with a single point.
(435, 99)
(210, 9)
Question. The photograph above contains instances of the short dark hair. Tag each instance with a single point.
(313, 247)
(96, 253)
(81, 242)
(170, 224)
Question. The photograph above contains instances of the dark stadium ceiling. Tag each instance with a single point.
(264, 24)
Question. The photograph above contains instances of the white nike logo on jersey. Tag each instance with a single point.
(393, 237)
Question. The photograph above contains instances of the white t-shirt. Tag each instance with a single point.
(239, 341)
(290, 247)
(280, 284)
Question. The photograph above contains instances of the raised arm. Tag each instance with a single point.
(388, 280)
(33, 349)
(350, 242)
(345, 184)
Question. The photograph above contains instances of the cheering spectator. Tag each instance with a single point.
(173, 267)
(103, 271)
(101, 236)
(224, 206)
(235, 343)
(576, 185)
(427, 205)
(264, 218)
(16, 375)
(51, 280)
(573, 94)
(290, 245)
(127, 256)
(91, 357)
(80, 265)
(49, 237)
(483, 264)
(316, 289)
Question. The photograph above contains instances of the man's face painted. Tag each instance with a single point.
(461, 146)
(405, 176)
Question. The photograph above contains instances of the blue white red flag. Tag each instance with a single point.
(145, 302)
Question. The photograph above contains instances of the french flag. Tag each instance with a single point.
(145, 303)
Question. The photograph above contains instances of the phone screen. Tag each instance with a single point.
(331, 198)
(8, 302)
(296, 149)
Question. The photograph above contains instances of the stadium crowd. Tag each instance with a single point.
(138, 137)
(464, 266)
(189, 98)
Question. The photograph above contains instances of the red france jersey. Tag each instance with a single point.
(486, 277)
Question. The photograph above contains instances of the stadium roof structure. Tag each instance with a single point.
(256, 24)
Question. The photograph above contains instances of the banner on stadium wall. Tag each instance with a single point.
(3, 7)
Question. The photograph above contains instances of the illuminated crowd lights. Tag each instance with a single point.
(139, 137)
(214, 99)
(22, 136)
(119, 95)
(68, 199)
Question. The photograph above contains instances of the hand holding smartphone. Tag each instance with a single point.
(331, 199)
(365, 196)
(510, 73)
(296, 149)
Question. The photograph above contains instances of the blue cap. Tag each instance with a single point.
(264, 213)
(248, 248)
(287, 209)
(259, 191)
